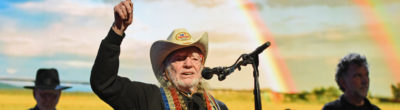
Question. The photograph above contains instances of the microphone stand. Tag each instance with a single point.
(252, 59)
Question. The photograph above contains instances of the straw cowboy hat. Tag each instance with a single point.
(47, 79)
(178, 39)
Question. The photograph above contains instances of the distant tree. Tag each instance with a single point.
(303, 95)
(332, 93)
(319, 93)
(324, 95)
(396, 92)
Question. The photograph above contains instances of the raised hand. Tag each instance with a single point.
(123, 16)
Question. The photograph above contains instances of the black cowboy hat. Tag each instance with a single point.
(47, 79)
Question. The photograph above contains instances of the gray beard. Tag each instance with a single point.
(196, 83)
(180, 84)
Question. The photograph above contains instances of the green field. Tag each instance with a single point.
(23, 99)
(235, 100)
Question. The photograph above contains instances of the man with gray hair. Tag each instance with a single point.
(177, 64)
(352, 77)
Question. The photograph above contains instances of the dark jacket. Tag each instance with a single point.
(120, 92)
(342, 104)
(36, 108)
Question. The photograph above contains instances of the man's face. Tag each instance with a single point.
(46, 99)
(356, 82)
(185, 67)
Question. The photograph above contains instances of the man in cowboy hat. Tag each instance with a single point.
(47, 89)
(177, 64)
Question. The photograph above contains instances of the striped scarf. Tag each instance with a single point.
(173, 100)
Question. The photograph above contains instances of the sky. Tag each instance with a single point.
(311, 36)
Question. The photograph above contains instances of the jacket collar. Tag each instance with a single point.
(346, 103)
(37, 108)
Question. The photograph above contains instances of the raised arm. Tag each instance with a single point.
(104, 79)
(119, 92)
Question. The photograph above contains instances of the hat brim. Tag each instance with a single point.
(162, 48)
(59, 87)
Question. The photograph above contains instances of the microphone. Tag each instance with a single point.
(207, 73)
(221, 72)
(260, 49)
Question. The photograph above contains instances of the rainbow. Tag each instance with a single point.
(278, 75)
(382, 33)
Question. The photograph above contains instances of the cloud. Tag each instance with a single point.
(11, 71)
(207, 3)
(73, 33)
(304, 3)
(68, 7)
(71, 63)
(79, 31)
(83, 24)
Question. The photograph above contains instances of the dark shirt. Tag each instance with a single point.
(342, 104)
(36, 108)
(120, 92)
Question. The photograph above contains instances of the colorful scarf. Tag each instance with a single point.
(173, 99)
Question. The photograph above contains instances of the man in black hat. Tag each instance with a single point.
(47, 89)
(352, 77)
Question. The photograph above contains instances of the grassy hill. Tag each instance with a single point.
(8, 86)
(234, 99)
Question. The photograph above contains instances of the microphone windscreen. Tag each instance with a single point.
(206, 73)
